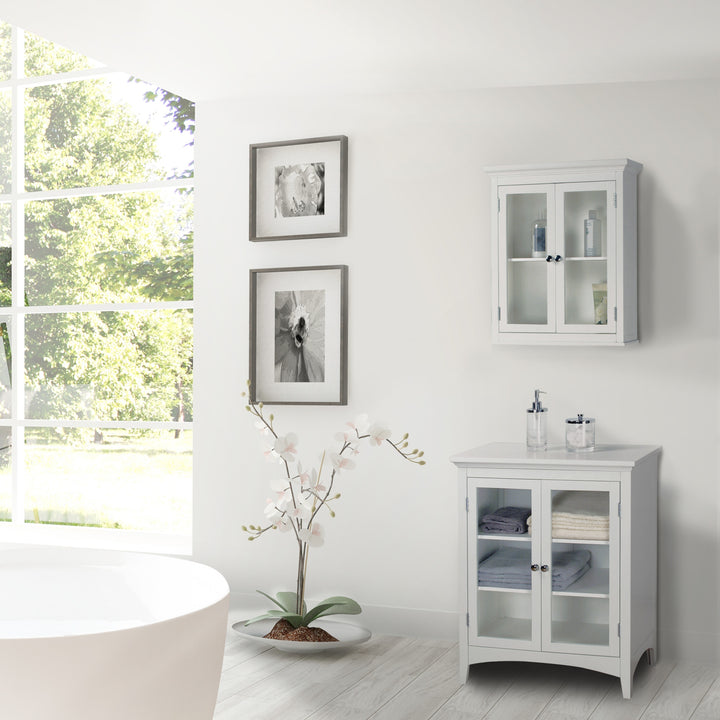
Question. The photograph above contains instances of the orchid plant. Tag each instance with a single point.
(301, 495)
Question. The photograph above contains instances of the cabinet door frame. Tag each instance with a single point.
(503, 262)
(561, 190)
(612, 649)
(473, 591)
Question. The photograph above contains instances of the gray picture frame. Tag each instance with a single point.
(266, 286)
(265, 223)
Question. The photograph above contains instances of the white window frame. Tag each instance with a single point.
(18, 531)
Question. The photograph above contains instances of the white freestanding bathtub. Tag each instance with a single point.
(109, 636)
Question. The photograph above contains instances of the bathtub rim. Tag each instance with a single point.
(222, 594)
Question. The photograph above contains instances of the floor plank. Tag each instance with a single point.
(426, 693)
(709, 707)
(396, 678)
(681, 693)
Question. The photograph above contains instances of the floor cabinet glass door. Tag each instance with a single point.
(580, 548)
(544, 565)
(504, 562)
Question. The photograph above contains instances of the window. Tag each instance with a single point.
(96, 303)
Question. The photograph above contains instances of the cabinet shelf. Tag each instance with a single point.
(583, 258)
(579, 541)
(518, 537)
(490, 588)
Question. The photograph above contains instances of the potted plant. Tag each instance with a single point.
(299, 497)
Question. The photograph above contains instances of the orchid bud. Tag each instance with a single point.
(332, 513)
(244, 528)
(405, 436)
(247, 407)
(422, 462)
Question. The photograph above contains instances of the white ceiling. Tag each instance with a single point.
(207, 49)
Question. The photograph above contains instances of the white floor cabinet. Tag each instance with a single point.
(579, 588)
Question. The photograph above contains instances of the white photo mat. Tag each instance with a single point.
(265, 222)
(265, 284)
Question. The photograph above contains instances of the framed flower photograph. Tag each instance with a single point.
(298, 335)
(298, 189)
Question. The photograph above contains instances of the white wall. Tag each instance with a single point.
(420, 357)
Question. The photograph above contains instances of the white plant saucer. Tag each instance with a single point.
(346, 634)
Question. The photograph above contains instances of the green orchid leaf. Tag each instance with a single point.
(288, 601)
(273, 600)
(316, 612)
(337, 605)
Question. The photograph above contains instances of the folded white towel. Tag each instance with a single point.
(579, 516)
(588, 505)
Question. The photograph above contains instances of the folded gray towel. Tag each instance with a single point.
(566, 564)
(513, 562)
(510, 568)
(508, 519)
(519, 583)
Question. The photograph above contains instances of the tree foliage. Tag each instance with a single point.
(102, 248)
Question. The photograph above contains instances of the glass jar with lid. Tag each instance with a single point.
(580, 433)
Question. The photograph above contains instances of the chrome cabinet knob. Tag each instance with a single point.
(534, 567)
(544, 568)
(549, 258)
(558, 258)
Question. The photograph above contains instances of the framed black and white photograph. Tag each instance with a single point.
(298, 335)
(298, 189)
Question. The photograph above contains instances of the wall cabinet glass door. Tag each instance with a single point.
(544, 565)
(557, 258)
(564, 248)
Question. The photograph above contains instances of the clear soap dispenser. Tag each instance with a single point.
(537, 424)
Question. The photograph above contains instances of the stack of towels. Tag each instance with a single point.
(579, 516)
(510, 568)
(508, 519)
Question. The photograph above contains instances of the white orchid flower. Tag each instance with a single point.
(378, 434)
(262, 427)
(341, 463)
(360, 424)
(285, 446)
(272, 512)
(301, 511)
(313, 535)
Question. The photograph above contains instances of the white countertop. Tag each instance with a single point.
(518, 453)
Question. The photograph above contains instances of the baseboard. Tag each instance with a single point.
(694, 647)
(380, 619)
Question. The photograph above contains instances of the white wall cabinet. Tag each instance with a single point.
(580, 587)
(557, 291)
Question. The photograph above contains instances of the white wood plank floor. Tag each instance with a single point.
(398, 678)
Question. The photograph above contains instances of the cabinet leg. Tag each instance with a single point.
(464, 672)
(626, 683)
(651, 656)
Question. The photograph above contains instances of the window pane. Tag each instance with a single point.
(5, 370)
(5, 141)
(103, 132)
(5, 255)
(109, 248)
(5, 50)
(109, 366)
(5, 474)
(43, 57)
(129, 479)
